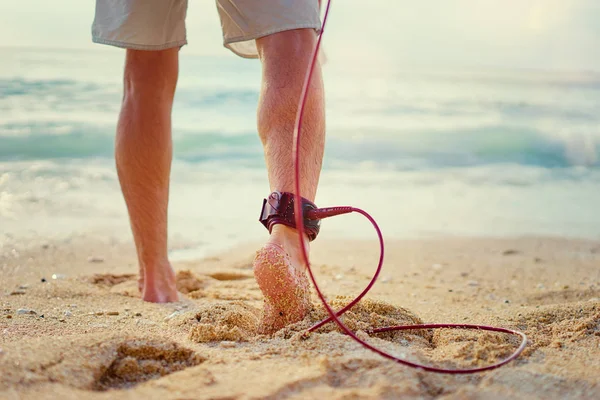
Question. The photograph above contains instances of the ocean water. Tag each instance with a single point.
(427, 151)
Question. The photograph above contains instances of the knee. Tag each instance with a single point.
(291, 47)
(150, 75)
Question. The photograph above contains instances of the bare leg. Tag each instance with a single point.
(143, 152)
(278, 267)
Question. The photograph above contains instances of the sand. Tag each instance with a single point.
(73, 325)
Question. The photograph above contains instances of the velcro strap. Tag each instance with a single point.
(278, 208)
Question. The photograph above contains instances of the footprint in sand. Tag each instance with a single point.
(127, 284)
(563, 295)
(97, 362)
(230, 276)
(138, 361)
(228, 285)
(123, 284)
(222, 285)
(110, 280)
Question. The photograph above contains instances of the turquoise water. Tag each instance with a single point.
(476, 152)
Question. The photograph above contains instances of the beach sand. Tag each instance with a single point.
(84, 332)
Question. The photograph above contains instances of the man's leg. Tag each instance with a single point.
(143, 152)
(278, 267)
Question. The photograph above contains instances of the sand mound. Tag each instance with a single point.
(557, 324)
(234, 321)
(457, 348)
(365, 315)
(188, 282)
(548, 326)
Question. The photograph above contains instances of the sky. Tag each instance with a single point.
(539, 34)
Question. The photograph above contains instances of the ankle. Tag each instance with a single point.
(287, 239)
(282, 234)
(159, 284)
(161, 273)
(153, 261)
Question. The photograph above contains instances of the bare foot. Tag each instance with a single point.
(158, 285)
(280, 274)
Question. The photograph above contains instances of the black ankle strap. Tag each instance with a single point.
(278, 208)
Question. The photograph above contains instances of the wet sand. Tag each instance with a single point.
(84, 333)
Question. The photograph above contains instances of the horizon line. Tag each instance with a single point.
(226, 54)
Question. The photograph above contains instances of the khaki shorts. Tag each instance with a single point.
(160, 24)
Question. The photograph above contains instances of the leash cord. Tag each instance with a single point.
(331, 211)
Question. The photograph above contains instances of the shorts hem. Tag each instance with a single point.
(229, 41)
(134, 46)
